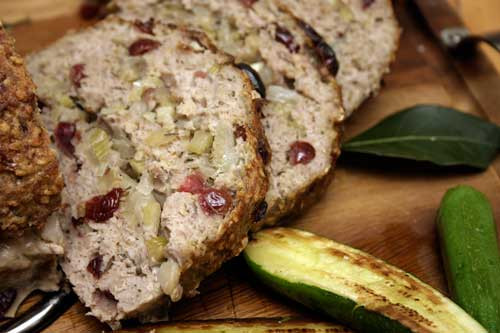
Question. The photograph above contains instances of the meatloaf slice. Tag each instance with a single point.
(29, 174)
(302, 114)
(159, 141)
(363, 33)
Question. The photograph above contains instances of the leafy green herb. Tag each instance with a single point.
(433, 133)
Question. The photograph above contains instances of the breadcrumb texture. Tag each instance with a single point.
(29, 173)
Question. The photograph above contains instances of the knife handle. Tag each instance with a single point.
(42, 314)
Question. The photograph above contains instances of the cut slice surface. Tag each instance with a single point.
(160, 189)
(351, 286)
(302, 113)
(364, 35)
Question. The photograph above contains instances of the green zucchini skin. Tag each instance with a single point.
(469, 245)
(342, 309)
(351, 286)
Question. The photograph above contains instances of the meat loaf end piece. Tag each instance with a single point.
(159, 141)
(29, 174)
(302, 115)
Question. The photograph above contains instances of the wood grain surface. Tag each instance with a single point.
(385, 207)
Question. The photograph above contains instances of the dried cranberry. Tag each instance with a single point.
(76, 74)
(193, 184)
(285, 37)
(102, 207)
(240, 132)
(260, 211)
(200, 74)
(327, 57)
(310, 32)
(301, 152)
(248, 3)
(366, 3)
(254, 78)
(214, 201)
(7, 297)
(95, 266)
(263, 151)
(146, 26)
(142, 46)
(64, 133)
(324, 52)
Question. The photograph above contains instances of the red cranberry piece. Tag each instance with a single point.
(7, 297)
(323, 51)
(64, 133)
(95, 266)
(366, 3)
(102, 207)
(328, 57)
(301, 152)
(248, 3)
(214, 201)
(76, 74)
(142, 46)
(259, 211)
(240, 132)
(285, 37)
(200, 74)
(146, 26)
(193, 184)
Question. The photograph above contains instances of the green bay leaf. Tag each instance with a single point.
(432, 133)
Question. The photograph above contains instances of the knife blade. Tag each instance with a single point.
(450, 29)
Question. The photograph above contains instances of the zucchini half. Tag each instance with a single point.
(257, 325)
(351, 286)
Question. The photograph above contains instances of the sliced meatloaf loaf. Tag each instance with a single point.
(159, 140)
(302, 113)
(29, 174)
(364, 35)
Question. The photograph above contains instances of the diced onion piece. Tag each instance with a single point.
(223, 146)
(151, 213)
(114, 178)
(163, 97)
(345, 12)
(168, 276)
(137, 166)
(265, 73)
(165, 116)
(200, 143)
(100, 144)
(65, 101)
(156, 248)
(159, 138)
(281, 94)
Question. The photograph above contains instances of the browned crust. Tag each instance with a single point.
(29, 172)
(297, 202)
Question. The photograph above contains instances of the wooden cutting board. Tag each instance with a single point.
(385, 207)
